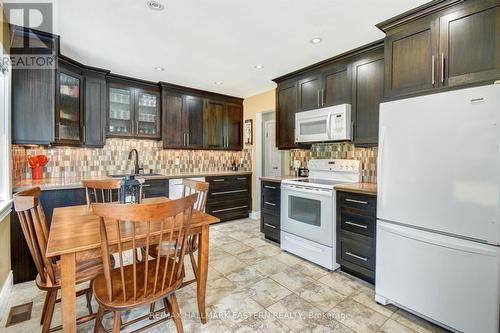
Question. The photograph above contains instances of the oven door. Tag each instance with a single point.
(308, 213)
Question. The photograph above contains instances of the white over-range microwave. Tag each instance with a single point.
(327, 124)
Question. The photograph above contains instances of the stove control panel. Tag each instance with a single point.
(336, 165)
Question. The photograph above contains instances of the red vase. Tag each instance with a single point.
(37, 172)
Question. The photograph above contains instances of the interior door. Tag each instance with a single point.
(233, 126)
(193, 121)
(439, 162)
(272, 158)
(470, 44)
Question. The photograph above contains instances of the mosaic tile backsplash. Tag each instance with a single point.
(113, 159)
(367, 156)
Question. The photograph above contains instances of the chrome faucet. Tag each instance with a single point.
(136, 164)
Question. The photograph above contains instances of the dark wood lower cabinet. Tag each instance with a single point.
(22, 264)
(270, 206)
(229, 197)
(356, 234)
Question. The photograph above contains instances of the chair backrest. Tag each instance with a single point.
(101, 190)
(191, 186)
(36, 230)
(144, 225)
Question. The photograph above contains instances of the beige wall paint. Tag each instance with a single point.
(251, 106)
(4, 249)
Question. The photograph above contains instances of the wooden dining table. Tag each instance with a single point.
(74, 231)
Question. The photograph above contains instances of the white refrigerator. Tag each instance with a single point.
(438, 228)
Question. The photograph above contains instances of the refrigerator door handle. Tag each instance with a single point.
(380, 161)
(439, 239)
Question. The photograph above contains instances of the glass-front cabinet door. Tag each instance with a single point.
(69, 115)
(147, 114)
(120, 111)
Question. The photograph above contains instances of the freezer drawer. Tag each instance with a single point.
(452, 281)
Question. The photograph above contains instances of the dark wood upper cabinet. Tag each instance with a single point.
(213, 115)
(337, 85)
(172, 108)
(193, 121)
(94, 108)
(411, 59)
(69, 104)
(368, 91)
(133, 108)
(286, 107)
(33, 90)
(233, 126)
(442, 44)
(469, 47)
(310, 92)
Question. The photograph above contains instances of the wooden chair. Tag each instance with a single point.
(189, 187)
(101, 190)
(144, 282)
(36, 232)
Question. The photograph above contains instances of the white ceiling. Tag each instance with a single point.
(201, 42)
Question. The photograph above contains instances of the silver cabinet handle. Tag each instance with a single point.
(433, 77)
(227, 141)
(270, 225)
(269, 203)
(218, 180)
(241, 178)
(442, 67)
(270, 187)
(183, 139)
(229, 209)
(146, 185)
(356, 256)
(322, 96)
(187, 135)
(227, 192)
(136, 127)
(318, 98)
(84, 135)
(356, 225)
(357, 201)
(103, 135)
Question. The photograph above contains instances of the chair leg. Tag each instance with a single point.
(44, 310)
(98, 319)
(117, 322)
(173, 307)
(88, 296)
(152, 308)
(49, 311)
(194, 265)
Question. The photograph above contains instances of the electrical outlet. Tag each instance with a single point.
(296, 164)
(177, 161)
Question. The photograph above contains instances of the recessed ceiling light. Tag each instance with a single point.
(155, 5)
(219, 83)
(161, 69)
(258, 66)
(316, 40)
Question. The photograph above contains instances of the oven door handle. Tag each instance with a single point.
(322, 192)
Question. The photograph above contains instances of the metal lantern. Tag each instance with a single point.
(130, 190)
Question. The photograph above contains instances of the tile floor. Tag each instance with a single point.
(255, 287)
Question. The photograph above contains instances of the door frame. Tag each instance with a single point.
(258, 160)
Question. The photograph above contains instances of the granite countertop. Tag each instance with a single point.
(76, 182)
(277, 179)
(361, 188)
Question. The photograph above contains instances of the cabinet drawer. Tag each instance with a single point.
(270, 200)
(359, 224)
(155, 188)
(270, 226)
(227, 185)
(358, 250)
(357, 201)
(229, 209)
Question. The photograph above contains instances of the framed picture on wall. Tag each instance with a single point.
(248, 132)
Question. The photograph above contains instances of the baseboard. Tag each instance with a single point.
(255, 214)
(4, 294)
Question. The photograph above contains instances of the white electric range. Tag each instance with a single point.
(308, 218)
